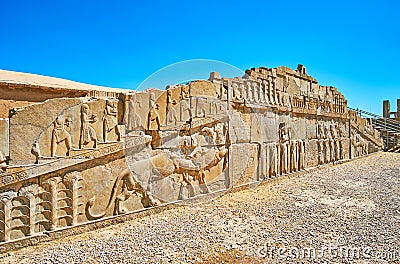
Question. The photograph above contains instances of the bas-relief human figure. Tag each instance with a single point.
(169, 100)
(342, 134)
(110, 121)
(186, 112)
(134, 120)
(334, 143)
(88, 134)
(354, 144)
(185, 108)
(273, 156)
(264, 161)
(168, 108)
(328, 144)
(154, 126)
(284, 139)
(60, 134)
(285, 156)
(185, 92)
(362, 145)
(321, 143)
(172, 115)
(302, 155)
(293, 157)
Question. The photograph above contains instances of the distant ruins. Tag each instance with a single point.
(72, 153)
(386, 110)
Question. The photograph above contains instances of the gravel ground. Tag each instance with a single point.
(338, 211)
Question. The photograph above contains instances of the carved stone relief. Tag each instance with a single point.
(61, 135)
(110, 121)
(76, 160)
(134, 120)
(88, 133)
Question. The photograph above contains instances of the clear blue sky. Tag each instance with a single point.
(353, 45)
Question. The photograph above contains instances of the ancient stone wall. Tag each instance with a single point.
(72, 160)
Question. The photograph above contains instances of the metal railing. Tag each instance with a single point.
(389, 128)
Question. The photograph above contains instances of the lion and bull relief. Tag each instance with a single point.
(168, 174)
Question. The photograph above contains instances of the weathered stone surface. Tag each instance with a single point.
(329, 207)
(4, 130)
(27, 125)
(80, 153)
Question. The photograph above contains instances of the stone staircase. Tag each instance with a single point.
(389, 129)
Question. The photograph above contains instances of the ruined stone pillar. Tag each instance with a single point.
(398, 108)
(386, 108)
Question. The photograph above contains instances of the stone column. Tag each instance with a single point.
(398, 108)
(386, 108)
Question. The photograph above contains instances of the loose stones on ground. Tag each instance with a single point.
(357, 201)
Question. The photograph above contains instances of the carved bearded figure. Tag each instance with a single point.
(88, 134)
(110, 121)
(154, 126)
(60, 134)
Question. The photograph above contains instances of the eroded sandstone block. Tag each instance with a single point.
(4, 142)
